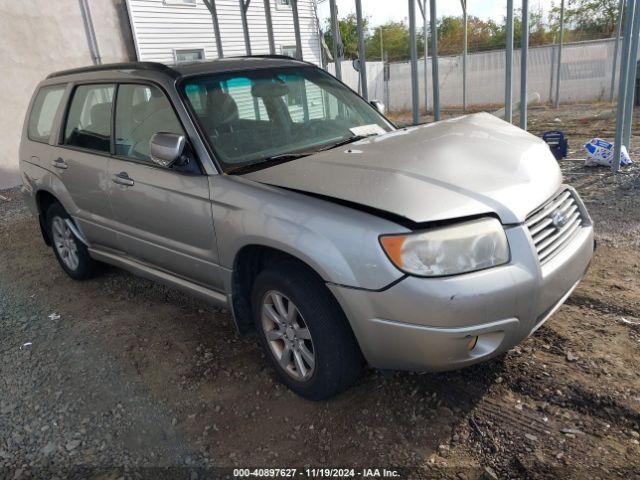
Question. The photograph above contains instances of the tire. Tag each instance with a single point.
(337, 360)
(66, 246)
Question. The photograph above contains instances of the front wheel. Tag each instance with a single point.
(71, 253)
(304, 332)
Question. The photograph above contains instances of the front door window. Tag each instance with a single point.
(141, 112)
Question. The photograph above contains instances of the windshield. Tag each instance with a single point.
(260, 117)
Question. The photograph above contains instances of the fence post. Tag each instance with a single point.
(425, 29)
(386, 74)
(244, 5)
(464, 55)
(434, 60)
(423, 11)
(631, 77)
(524, 53)
(337, 46)
(267, 17)
(361, 51)
(616, 49)
(415, 101)
(622, 88)
(296, 29)
(559, 59)
(211, 5)
(552, 70)
(508, 73)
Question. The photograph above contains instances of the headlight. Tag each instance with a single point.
(460, 248)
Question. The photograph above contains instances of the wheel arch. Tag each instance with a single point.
(44, 200)
(46, 188)
(249, 261)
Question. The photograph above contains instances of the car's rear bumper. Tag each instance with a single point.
(429, 324)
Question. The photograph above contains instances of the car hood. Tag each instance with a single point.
(455, 168)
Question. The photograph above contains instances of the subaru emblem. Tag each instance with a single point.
(559, 219)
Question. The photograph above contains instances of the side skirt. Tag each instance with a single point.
(166, 278)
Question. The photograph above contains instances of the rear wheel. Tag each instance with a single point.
(71, 253)
(304, 332)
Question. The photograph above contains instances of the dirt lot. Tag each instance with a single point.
(127, 377)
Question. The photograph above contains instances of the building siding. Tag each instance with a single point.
(161, 26)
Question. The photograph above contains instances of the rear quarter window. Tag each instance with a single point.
(43, 113)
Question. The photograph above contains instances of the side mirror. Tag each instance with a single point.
(378, 105)
(166, 148)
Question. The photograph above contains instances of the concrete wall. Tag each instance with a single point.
(38, 37)
(585, 75)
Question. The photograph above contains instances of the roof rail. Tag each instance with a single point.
(268, 55)
(159, 67)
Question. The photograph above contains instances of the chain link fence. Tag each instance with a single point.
(585, 75)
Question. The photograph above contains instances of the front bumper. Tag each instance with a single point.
(428, 324)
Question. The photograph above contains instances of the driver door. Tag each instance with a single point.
(164, 215)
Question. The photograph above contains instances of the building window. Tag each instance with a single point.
(180, 3)
(289, 51)
(283, 4)
(189, 55)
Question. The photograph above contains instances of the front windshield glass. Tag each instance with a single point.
(259, 117)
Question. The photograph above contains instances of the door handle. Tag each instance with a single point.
(60, 163)
(122, 178)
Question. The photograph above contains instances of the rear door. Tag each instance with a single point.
(81, 160)
(164, 215)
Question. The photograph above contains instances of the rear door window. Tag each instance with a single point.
(43, 113)
(89, 119)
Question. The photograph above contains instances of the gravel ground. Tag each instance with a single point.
(119, 376)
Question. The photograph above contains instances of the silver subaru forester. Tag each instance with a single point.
(266, 185)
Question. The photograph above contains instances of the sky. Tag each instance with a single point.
(381, 11)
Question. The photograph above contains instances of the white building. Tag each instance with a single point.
(42, 36)
(177, 30)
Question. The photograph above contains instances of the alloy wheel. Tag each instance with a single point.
(65, 243)
(288, 335)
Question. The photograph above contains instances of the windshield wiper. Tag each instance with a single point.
(286, 157)
(267, 162)
(346, 141)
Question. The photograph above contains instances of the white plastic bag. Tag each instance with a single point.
(600, 152)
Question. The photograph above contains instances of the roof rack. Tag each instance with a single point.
(158, 67)
(275, 56)
(268, 55)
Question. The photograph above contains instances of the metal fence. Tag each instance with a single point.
(585, 75)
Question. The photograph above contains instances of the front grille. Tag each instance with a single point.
(554, 224)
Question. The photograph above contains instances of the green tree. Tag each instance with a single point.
(539, 34)
(450, 35)
(585, 19)
(348, 33)
(482, 35)
(395, 42)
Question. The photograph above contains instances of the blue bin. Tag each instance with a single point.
(557, 142)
